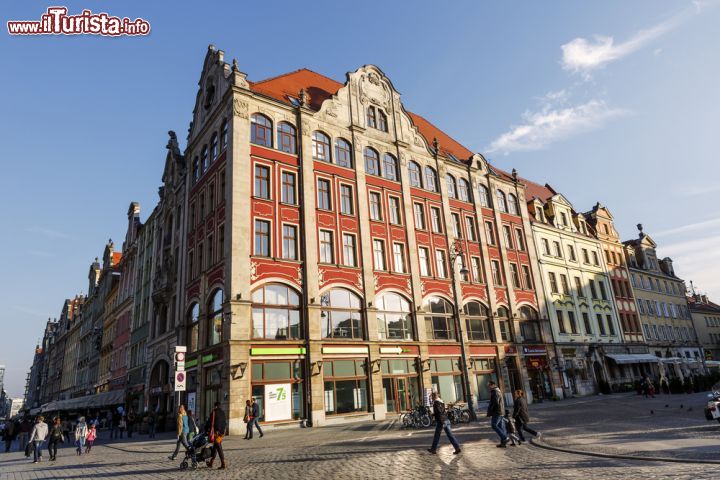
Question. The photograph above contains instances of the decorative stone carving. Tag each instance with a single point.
(299, 277)
(331, 110)
(376, 282)
(423, 288)
(418, 141)
(253, 271)
(240, 108)
(359, 281)
(321, 276)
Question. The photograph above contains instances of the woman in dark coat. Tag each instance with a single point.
(521, 415)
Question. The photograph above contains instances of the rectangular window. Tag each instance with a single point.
(424, 261)
(586, 258)
(527, 277)
(346, 200)
(463, 268)
(564, 284)
(375, 206)
(289, 188)
(490, 233)
(349, 250)
(379, 254)
(586, 321)
(515, 274)
(440, 263)
(546, 246)
(611, 327)
(476, 271)
(470, 227)
(395, 216)
(457, 229)
(419, 216)
(262, 182)
(221, 242)
(561, 321)
(399, 257)
(603, 293)
(553, 283)
(593, 290)
(573, 323)
(520, 239)
(578, 288)
(596, 260)
(508, 237)
(497, 275)
(601, 325)
(290, 242)
(436, 220)
(326, 247)
(262, 238)
(571, 253)
(558, 250)
(323, 194)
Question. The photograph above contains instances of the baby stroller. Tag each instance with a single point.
(200, 451)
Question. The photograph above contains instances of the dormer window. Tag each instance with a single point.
(563, 219)
(377, 119)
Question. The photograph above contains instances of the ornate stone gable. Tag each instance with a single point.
(215, 79)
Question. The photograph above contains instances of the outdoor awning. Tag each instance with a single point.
(672, 359)
(632, 358)
(712, 363)
(105, 399)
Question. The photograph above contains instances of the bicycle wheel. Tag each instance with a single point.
(425, 420)
(465, 416)
(406, 420)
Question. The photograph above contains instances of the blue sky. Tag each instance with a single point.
(607, 101)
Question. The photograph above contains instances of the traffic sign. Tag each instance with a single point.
(180, 378)
(180, 358)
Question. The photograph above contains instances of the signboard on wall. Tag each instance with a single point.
(191, 402)
(180, 378)
(278, 402)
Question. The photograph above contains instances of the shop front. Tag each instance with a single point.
(538, 371)
(277, 388)
(345, 386)
(447, 379)
(483, 370)
(511, 377)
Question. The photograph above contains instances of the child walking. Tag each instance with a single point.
(90, 439)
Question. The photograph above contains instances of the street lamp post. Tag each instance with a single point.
(455, 253)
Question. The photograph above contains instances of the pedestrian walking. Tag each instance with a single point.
(496, 412)
(217, 426)
(80, 435)
(90, 438)
(56, 436)
(246, 419)
(442, 423)
(24, 434)
(182, 429)
(511, 429)
(38, 435)
(115, 425)
(8, 434)
(66, 430)
(522, 415)
(255, 408)
(122, 425)
(131, 418)
(151, 424)
(192, 424)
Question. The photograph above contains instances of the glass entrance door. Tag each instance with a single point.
(401, 393)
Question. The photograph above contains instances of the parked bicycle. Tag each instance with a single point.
(419, 417)
(458, 413)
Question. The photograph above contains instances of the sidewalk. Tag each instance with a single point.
(671, 426)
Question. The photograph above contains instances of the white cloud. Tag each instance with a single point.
(582, 55)
(693, 190)
(47, 232)
(688, 228)
(552, 123)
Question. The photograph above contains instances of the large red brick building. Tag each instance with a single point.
(322, 224)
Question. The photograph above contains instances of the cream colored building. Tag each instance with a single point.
(577, 290)
(664, 315)
(706, 320)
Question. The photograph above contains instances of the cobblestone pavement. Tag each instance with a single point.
(381, 450)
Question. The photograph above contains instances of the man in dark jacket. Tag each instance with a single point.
(496, 412)
(442, 423)
(254, 420)
(217, 426)
(522, 416)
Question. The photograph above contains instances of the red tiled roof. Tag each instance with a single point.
(318, 87)
(535, 190)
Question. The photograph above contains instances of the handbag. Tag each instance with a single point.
(211, 436)
(28, 449)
